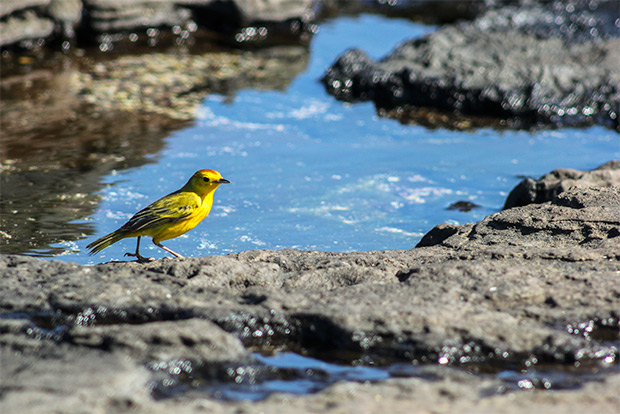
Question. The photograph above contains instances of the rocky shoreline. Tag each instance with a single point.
(515, 313)
(529, 288)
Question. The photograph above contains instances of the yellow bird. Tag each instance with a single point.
(170, 216)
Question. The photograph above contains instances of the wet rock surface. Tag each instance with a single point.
(533, 288)
(549, 63)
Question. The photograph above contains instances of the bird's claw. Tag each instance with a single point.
(141, 259)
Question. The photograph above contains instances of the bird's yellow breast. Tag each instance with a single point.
(171, 230)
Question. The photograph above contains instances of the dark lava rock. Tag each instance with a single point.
(550, 185)
(538, 64)
(463, 206)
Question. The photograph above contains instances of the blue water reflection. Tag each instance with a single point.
(306, 375)
(310, 172)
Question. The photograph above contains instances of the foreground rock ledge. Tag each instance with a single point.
(533, 283)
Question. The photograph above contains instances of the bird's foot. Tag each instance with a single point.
(141, 259)
(172, 252)
(165, 258)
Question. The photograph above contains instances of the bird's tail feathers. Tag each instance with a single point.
(100, 244)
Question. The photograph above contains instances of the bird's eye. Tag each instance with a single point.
(205, 179)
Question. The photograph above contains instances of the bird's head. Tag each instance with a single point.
(205, 181)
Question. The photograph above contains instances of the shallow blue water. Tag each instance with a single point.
(306, 375)
(310, 172)
(291, 373)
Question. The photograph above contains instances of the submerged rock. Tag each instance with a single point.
(530, 285)
(541, 64)
(175, 85)
(463, 206)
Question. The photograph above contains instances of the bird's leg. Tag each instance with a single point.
(137, 254)
(175, 254)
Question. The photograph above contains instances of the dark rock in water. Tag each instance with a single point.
(542, 64)
(464, 206)
(526, 286)
(550, 185)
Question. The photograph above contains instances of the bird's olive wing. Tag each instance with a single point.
(169, 209)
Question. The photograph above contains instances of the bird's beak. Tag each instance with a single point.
(222, 181)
